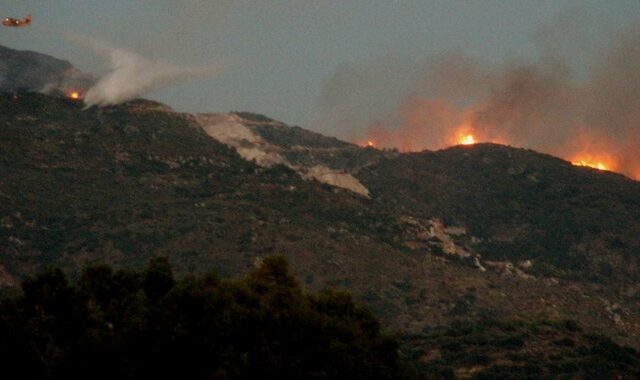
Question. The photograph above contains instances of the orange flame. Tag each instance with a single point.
(591, 164)
(464, 135)
(438, 123)
(75, 95)
(593, 161)
(466, 140)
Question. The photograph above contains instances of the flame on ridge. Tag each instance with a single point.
(467, 140)
(600, 162)
(591, 164)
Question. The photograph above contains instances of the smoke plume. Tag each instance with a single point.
(547, 106)
(130, 75)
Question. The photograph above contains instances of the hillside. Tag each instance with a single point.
(124, 183)
(424, 239)
(536, 221)
(519, 205)
(507, 204)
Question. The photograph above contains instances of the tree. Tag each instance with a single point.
(129, 324)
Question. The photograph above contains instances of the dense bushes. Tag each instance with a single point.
(487, 348)
(120, 324)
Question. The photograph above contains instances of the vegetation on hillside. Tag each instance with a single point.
(572, 222)
(149, 324)
(123, 183)
(485, 348)
(516, 205)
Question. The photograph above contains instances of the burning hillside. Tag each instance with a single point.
(588, 116)
(516, 114)
(593, 161)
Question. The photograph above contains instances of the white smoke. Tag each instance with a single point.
(130, 75)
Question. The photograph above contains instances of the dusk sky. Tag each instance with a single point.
(280, 56)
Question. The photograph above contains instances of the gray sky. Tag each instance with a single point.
(279, 56)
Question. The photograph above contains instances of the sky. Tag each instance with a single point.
(281, 58)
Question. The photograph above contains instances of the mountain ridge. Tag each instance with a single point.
(500, 193)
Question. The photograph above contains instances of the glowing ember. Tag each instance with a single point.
(591, 164)
(467, 140)
(74, 95)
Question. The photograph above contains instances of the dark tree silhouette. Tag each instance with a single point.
(119, 324)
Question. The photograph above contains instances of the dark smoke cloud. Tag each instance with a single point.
(548, 106)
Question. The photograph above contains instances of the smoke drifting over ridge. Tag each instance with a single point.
(542, 106)
(130, 75)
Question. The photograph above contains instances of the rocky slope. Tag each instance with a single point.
(268, 143)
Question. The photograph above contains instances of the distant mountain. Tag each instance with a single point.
(425, 238)
(32, 71)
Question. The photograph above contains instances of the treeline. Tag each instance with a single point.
(143, 324)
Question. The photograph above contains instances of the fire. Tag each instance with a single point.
(591, 164)
(464, 135)
(75, 95)
(600, 162)
(438, 126)
(466, 140)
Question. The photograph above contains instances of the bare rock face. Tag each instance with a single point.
(332, 177)
(235, 131)
(433, 236)
(229, 130)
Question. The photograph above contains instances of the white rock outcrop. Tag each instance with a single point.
(229, 130)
